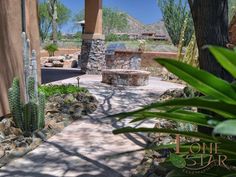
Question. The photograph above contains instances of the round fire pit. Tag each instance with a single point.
(125, 77)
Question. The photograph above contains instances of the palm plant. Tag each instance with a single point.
(219, 96)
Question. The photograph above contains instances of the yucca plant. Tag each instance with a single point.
(219, 96)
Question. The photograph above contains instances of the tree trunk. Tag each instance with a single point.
(211, 27)
(54, 23)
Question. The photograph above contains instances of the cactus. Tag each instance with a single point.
(41, 109)
(15, 103)
(30, 116)
(30, 89)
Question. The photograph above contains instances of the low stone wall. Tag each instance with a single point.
(135, 59)
(124, 60)
(148, 58)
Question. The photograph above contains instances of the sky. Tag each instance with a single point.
(146, 12)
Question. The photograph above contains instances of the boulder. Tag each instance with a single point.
(69, 98)
(56, 58)
(48, 65)
(70, 63)
(57, 64)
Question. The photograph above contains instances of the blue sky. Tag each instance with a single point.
(145, 11)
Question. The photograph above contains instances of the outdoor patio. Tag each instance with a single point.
(87, 147)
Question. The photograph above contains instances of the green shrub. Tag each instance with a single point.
(174, 13)
(50, 90)
(51, 49)
(112, 37)
(78, 36)
(124, 37)
(115, 37)
(219, 97)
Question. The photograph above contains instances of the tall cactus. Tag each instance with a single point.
(30, 116)
(41, 109)
(15, 103)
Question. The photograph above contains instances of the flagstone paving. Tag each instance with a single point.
(87, 147)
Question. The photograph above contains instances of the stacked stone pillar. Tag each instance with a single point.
(92, 59)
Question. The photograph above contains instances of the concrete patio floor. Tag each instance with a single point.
(87, 147)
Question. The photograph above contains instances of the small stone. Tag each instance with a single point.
(57, 64)
(70, 64)
(90, 108)
(15, 131)
(59, 126)
(56, 58)
(41, 135)
(56, 99)
(77, 114)
(48, 65)
(19, 152)
(50, 123)
(2, 126)
(2, 136)
(69, 98)
(73, 108)
(35, 143)
(52, 107)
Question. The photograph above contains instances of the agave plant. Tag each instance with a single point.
(219, 96)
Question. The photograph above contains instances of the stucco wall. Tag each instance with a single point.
(11, 64)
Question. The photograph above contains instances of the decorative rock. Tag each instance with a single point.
(56, 58)
(91, 107)
(41, 135)
(52, 108)
(56, 99)
(77, 113)
(2, 126)
(69, 98)
(2, 136)
(15, 131)
(48, 65)
(70, 64)
(57, 64)
(50, 123)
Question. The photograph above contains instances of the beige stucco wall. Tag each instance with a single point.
(11, 62)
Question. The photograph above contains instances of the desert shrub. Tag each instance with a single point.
(124, 37)
(115, 37)
(50, 90)
(174, 15)
(51, 49)
(112, 37)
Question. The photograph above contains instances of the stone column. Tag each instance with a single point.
(92, 59)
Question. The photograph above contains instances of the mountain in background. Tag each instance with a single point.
(135, 26)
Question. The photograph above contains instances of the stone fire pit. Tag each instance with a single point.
(125, 77)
